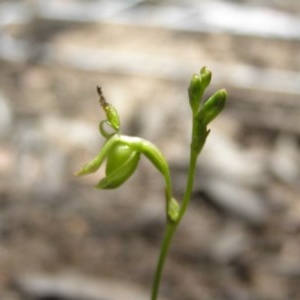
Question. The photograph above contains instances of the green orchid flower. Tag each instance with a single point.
(122, 154)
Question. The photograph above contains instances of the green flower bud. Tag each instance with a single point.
(212, 107)
(195, 85)
(173, 209)
(122, 161)
(205, 75)
(195, 92)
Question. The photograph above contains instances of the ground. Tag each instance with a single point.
(240, 236)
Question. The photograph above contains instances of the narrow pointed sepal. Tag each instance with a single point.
(94, 164)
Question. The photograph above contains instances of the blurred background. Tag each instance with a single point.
(61, 239)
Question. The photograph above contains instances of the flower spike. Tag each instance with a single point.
(122, 155)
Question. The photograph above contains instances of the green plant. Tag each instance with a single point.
(122, 154)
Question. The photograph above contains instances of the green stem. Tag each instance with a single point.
(168, 236)
(194, 153)
(172, 226)
(190, 179)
